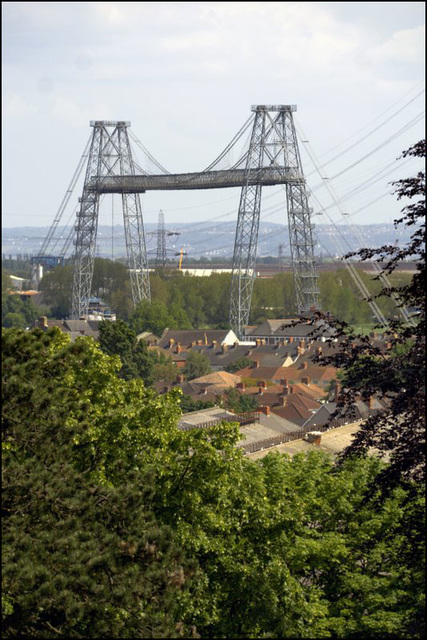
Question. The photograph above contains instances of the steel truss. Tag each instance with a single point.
(110, 155)
(273, 144)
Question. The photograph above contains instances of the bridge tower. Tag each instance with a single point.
(273, 144)
(109, 155)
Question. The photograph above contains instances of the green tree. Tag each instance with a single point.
(238, 402)
(117, 338)
(196, 366)
(6, 286)
(19, 313)
(241, 363)
(164, 369)
(188, 404)
(83, 553)
(57, 286)
(156, 317)
(117, 523)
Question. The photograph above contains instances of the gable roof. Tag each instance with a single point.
(293, 327)
(298, 408)
(187, 337)
(218, 378)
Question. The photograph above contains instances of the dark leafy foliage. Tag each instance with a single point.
(395, 375)
(117, 338)
(197, 365)
(83, 557)
(118, 524)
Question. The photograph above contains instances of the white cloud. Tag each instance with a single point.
(406, 46)
(16, 106)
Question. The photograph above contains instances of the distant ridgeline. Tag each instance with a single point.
(215, 242)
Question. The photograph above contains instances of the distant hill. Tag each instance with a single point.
(211, 240)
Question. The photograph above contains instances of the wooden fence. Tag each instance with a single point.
(260, 445)
(251, 417)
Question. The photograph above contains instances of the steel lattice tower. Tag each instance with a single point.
(273, 144)
(110, 155)
(161, 243)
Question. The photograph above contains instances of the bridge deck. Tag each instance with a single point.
(205, 180)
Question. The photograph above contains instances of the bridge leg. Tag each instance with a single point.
(134, 226)
(273, 144)
(110, 155)
(86, 228)
(246, 240)
(299, 221)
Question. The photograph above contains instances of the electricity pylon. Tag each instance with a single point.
(161, 242)
(110, 155)
(273, 144)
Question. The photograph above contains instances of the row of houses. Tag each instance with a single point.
(282, 371)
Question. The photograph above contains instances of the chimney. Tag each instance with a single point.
(171, 342)
(305, 380)
(203, 391)
(285, 390)
(265, 410)
(180, 378)
(224, 347)
(43, 322)
(214, 343)
(371, 403)
(283, 400)
(256, 364)
(319, 351)
(260, 391)
(305, 365)
(258, 342)
(206, 339)
(262, 383)
(291, 389)
(240, 385)
(284, 382)
(178, 348)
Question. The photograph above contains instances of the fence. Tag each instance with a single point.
(260, 445)
(251, 417)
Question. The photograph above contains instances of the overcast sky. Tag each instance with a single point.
(185, 74)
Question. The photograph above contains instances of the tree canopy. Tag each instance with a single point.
(196, 366)
(116, 523)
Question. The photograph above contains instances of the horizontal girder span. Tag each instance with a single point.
(205, 180)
